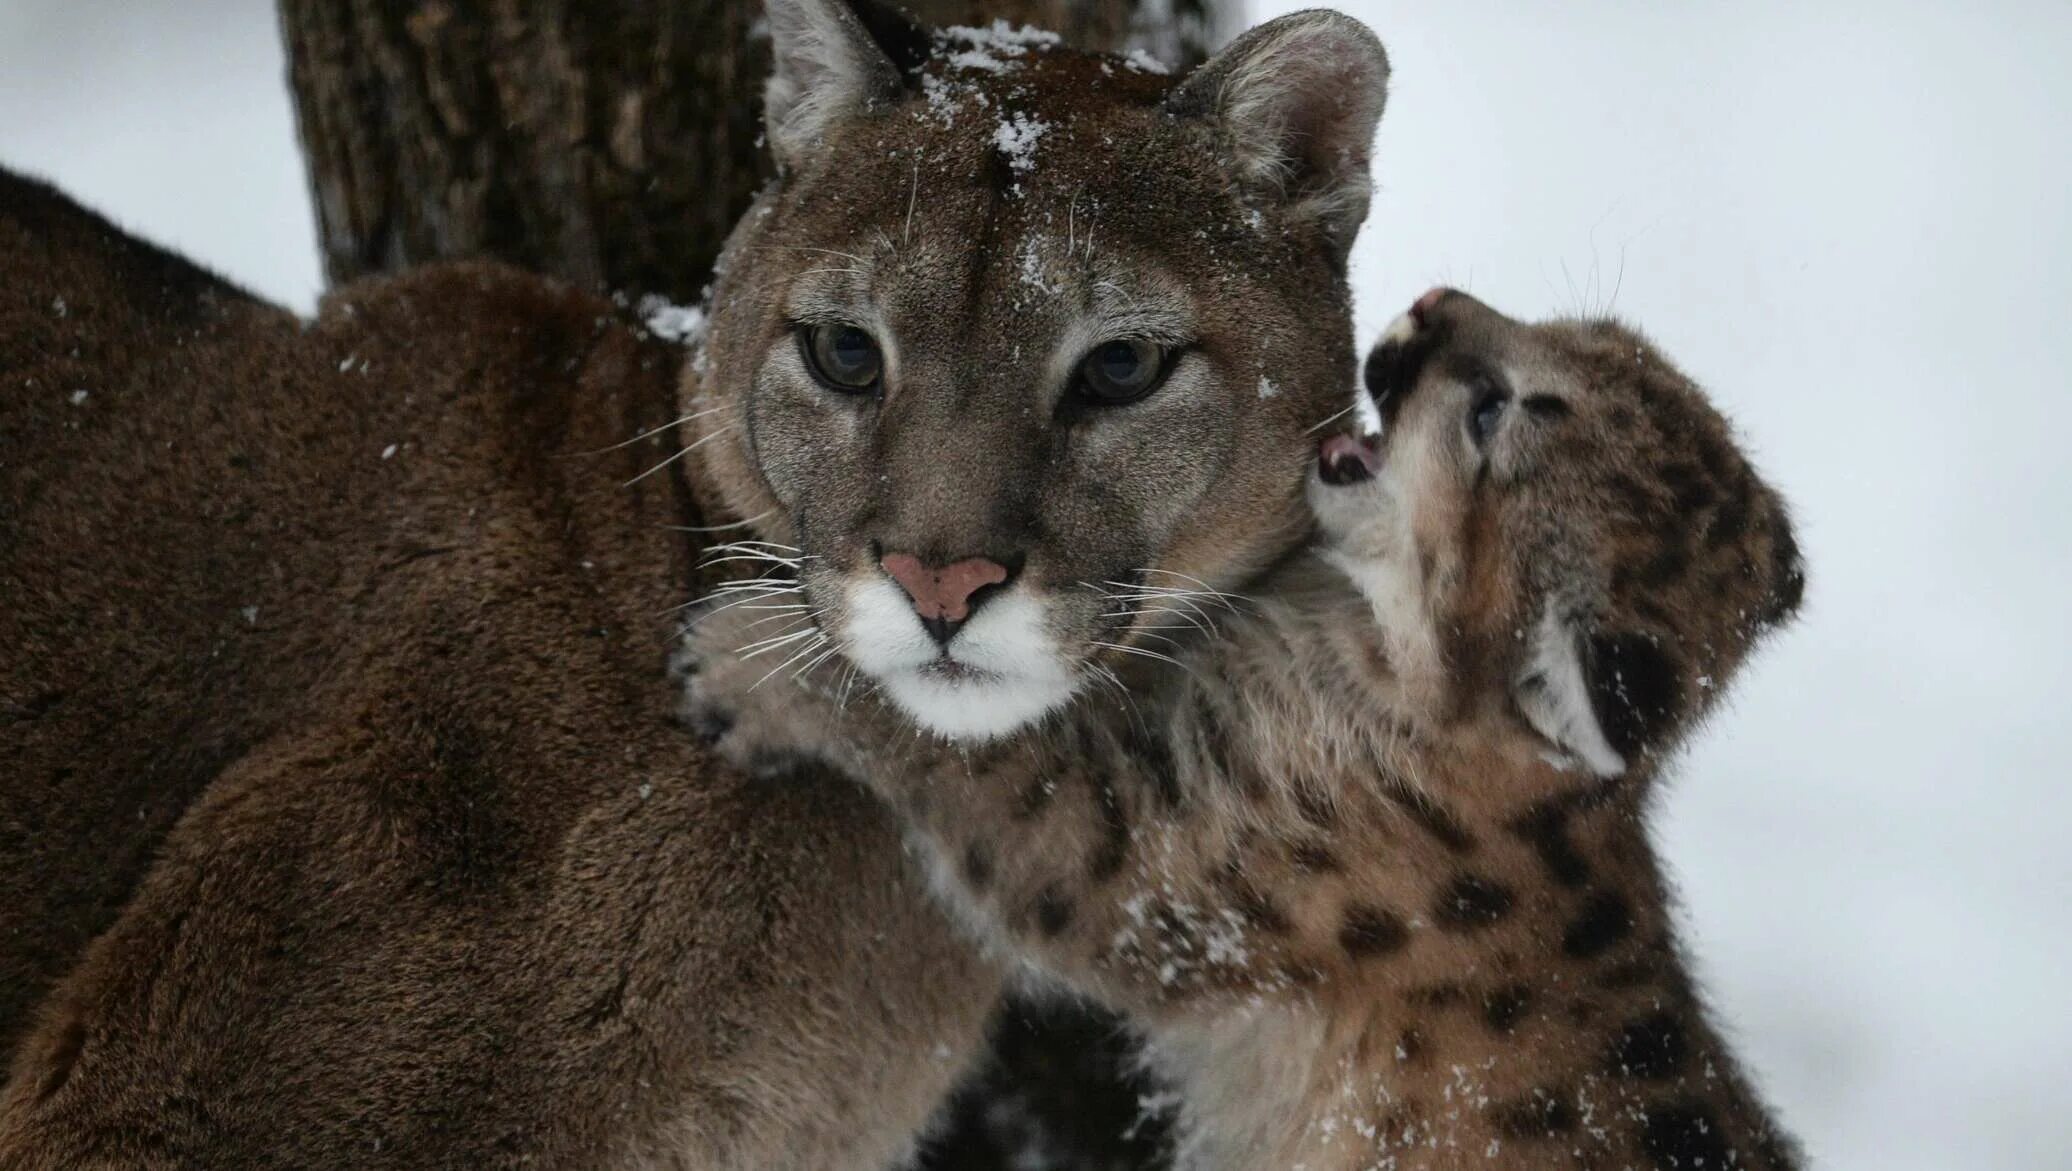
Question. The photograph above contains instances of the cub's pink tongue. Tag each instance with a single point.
(1344, 459)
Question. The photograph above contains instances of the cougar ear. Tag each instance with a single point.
(1553, 691)
(826, 65)
(1296, 101)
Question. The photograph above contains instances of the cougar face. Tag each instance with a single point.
(1555, 514)
(1024, 341)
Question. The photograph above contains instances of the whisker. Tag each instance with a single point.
(751, 546)
(824, 252)
(739, 524)
(695, 445)
(818, 659)
(766, 558)
(1144, 651)
(1189, 619)
(747, 596)
(810, 648)
(1205, 589)
(1334, 418)
(781, 639)
(652, 431)
(906, 234)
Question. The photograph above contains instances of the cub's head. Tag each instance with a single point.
(1025, 344)
(1552, 518)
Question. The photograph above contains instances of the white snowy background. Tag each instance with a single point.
(1849, 220)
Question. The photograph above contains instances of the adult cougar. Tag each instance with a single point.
(341, 827)
(1021, 327)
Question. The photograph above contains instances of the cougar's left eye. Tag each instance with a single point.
(1487, 412)
(1120, 371)
(843, 357)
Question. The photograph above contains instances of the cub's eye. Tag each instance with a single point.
(1487, 412)
(843, 357)
(1121, 371)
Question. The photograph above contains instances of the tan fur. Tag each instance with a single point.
(1013, 207)
(342, 820)
(344, 827)
(1370, 919)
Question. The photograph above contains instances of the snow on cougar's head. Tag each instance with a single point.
(986, 362)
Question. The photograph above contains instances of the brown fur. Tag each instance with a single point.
(1370, 908)
(342, 823)
(1140, 207)
(409, 870)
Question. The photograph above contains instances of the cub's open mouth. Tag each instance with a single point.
(1348, 459)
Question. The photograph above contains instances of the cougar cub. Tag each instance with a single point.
(1365, 853)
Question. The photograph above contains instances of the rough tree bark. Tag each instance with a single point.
(613, 143)
(609, 142)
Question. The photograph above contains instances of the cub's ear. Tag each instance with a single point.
(1600, 698)
(831, 59)
(1297, 100)
(1553, 691)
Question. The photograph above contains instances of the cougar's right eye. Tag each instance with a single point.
(843, 357)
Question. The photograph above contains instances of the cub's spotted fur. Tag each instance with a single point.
(1370, 866)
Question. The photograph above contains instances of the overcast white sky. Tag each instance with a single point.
(1849, 221)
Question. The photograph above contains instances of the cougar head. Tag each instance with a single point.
(1024, 345)
(1553, 519)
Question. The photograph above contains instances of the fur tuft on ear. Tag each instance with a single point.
(1553, 692)
(826, 65)
(1297, 100)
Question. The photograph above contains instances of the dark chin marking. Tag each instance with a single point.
(1635, 688)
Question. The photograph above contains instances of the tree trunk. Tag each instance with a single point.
(613, 143)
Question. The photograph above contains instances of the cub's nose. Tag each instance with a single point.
(944, 595)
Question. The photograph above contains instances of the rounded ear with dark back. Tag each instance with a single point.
(831, 60)
(1601, 698)
(1557, 695)
(1296, 102)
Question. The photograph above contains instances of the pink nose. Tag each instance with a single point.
(942, 593)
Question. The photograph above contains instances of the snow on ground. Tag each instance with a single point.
(1848, 220)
